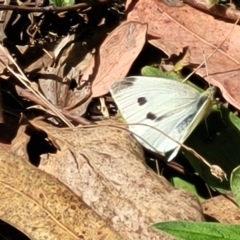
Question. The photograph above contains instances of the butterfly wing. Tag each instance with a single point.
(165, 104)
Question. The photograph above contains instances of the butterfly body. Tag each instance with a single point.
(173, 107)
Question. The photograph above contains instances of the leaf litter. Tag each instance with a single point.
(117, 53)
(106, 178)
(43, 207)
(103, 165)
(188, 23)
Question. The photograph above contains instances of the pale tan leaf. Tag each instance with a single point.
(104, 165)
(117, 53)
(1, 108)
(62, 49)
(56, 88)
(217, 172)
(5, 61)
(73, 114)
(34, 58)
(87, 65)
(128, 2)
(175, 28)
(18, 145)
(223, 209)
(78, 55)
(42, 207)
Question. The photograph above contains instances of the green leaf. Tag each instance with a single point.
(184, 59)
(200, 230)
(220, 146)
(62, 3)
(235, 183)
(213, 144)
(211, 3)
(156, 72)
(235, 120)
(68, 3)
(183, 184)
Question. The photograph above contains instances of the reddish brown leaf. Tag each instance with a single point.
(222, 208)
(117, 54)
(179, 27)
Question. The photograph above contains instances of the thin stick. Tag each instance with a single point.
(215, 50)
(221, 175)
(27, 83)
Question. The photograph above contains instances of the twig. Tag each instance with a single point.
(24, 80)
(215, 170)
(222, 11)
(50, 8)
(210, 55)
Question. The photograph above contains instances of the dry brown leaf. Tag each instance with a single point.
(18, 145)
(87, 66)
(223, 209)
(57, 90)
(117, 53)
(77, 55)
(34, 58)
(87, 63)
(44, 208)
(71, 102)
(1, 108)
(4, 61)
(62, 49)
(178, 27)
(59, 93)
(176, 62)
(227, 11)
(104, 166)
(128, 2)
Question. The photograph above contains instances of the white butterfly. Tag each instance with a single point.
(171, 106)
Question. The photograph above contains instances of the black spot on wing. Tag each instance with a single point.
(126, 84)
(141, 101)
(151, 116)
(121, 85)
(159, 118)
(133, 79)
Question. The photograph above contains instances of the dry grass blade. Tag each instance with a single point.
(188, 23)
(25, 81)
(212, 53)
